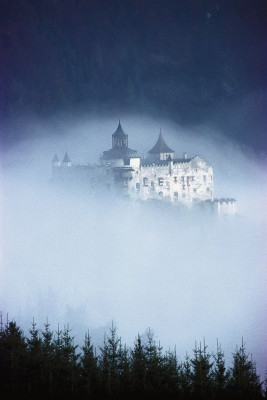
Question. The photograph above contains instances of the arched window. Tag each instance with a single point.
(145, 181)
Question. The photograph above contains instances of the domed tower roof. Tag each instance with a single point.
(160, 146)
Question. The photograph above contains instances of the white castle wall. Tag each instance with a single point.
(184, 181)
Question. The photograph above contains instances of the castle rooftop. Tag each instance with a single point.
(161, 146)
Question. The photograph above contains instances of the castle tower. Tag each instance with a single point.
(119, 138)
(161, 151)
(120, 153)
(66, 160)
(55, 161)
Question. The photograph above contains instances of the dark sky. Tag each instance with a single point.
(193, 61)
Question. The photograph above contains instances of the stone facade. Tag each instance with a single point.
(160, 176)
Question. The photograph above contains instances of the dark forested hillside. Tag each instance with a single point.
(192, 60)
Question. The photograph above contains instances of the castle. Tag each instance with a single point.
(182, 181)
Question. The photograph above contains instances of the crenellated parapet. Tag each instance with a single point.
(225, 206)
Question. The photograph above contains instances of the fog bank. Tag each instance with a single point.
(91, 259)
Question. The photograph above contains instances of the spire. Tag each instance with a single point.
(160, 146)
(55, 159)
(66, 159)
(119, 131)
(119, 138)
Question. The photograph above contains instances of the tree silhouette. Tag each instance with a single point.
(201, 376)
(244, 379)
(89, 366)
(220, 375)
(138, 369)
(109, 361)
(47, 364)
(34, 347)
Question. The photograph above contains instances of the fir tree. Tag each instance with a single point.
(265, 386)
(65, 364)
(244, 379)
(89, 366)
(48, 349)
(154, 363)
(220, 374)
(34, 347)
(13, 364)
(124, 368)
(171, 373)
(109, 361)
(138, 369)
(201, 371)
(186, 376)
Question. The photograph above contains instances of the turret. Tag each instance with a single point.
(161, 151)
(119, 138)
(120, 154)
(55, 161)
(66, 160)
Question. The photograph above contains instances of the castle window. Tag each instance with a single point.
(175, 179)
(204, 178)
(160, 181)
(137, 186)
(208, 189)
(161, 195)
(152, 185)
(127, 161)
(145, 182)
(175, 195)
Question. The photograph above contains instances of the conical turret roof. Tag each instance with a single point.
(161, 146)
(66, 158)
(55, 159)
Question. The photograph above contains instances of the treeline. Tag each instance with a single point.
(48, 364)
